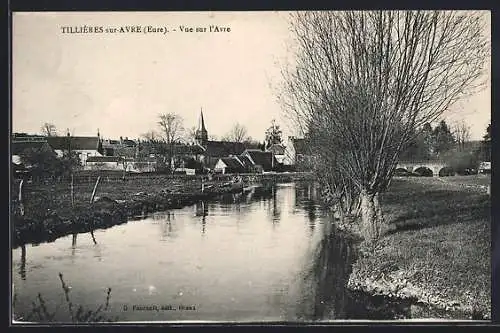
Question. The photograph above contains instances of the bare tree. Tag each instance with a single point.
(365, 80)
(238, 133)
(191, 134)
(151, 135)
(461, 132)
(172, 130)
(49, 129)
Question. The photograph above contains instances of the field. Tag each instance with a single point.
(439, 249)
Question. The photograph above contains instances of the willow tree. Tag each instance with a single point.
(363, 81)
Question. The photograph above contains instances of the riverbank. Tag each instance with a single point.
(437, 253)
(49, 212)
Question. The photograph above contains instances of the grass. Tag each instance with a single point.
(480, 179)
(439, 243)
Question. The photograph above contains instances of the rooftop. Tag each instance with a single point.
(73, 142)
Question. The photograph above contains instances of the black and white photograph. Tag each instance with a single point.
(250, 166)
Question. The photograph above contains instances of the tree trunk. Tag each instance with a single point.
(372, 221)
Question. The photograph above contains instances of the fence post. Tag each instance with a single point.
(21, 202)
(95, 189)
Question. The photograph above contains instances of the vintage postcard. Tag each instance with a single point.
(262, 167)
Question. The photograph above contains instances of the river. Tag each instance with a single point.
(256, 256)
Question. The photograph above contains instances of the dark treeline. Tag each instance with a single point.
(449, 144)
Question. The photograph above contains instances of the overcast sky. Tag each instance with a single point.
(119, 83)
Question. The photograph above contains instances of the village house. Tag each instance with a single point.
(19, 146)
(104, 163)
(83, 146)
(262, 161)
(123, 147)
(230, 165)
(119, 163)
(188, 151)
(295, 151)
(279, 152)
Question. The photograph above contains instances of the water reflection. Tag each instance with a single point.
(202, 210)
(324, 286)
(93, 237)
(73, 247)
(307, 199)
(73, 241)
(167, 224)
(275, 211)
(22, 264)
(96, 247)
(259, 242)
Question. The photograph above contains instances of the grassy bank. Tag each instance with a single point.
(49, 212)
(438, 252)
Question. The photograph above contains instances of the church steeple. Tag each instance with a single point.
(201, 126)
(201, 133)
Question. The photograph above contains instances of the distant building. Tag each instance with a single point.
(27, 137)
(20, 146)
(295, 151)
(261, 160)
(201, 134)
(123, 147)
(104, 163)
(230, 165)
(120, 163)
(215, 150)
(83, 146)
(279, 152)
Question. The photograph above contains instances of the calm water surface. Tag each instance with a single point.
(243, 258)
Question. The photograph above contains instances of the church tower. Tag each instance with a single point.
(201, 133)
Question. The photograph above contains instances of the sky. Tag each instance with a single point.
(120, 82)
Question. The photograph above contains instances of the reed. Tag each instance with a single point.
(40, 312)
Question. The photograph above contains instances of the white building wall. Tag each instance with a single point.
(220, 166)
(82, 154)
(103, 166)
(289, 157)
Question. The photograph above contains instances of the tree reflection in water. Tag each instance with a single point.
(324, 293)
(166, 219)
(202, 210)
(323, 290)
(276, 213)
(306, 198)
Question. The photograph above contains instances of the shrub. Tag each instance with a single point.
(446, 171)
